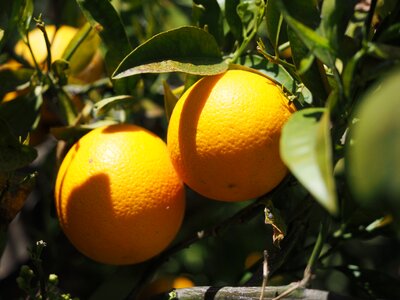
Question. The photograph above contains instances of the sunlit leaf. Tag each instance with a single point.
(335, 16)
(185, 49)
(73, 133)
(314, 41)
(25, 16)
(306, 149)
(310, 74)
(250, 13)
(106, 104)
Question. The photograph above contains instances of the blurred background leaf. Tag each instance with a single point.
(373, 156)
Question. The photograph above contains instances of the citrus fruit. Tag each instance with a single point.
(59, 40)
(223, 135)
(117, 195)
(86, 64)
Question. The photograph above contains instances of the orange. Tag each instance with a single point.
(223, 135)
(86, 64)
(117, 195)
(59, 40)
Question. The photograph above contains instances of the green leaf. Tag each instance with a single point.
(21, 114)
(9, 18)
(169, 100)
(373, 152)
(384, 51)
(106, 104)
(208, 15)
(105, 20)
(306, 149)
(335, 16)
(186, 49)
(392, 33)
(13, 154)
(274, 71)
(233, 19)
(74, 133)
(251, 13)
(11, 79)
(304, 11)
(274, 22)
(309, 75)
(25, 16)
(318, 44)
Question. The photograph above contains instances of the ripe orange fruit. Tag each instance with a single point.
(117, 195)
(223, 135)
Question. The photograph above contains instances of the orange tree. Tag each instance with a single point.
(329, 222)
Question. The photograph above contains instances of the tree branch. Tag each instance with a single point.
(248, 293)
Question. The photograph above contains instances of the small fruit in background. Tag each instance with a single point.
(86, 64)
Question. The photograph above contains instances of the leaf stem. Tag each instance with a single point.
(248, 37)
(41, 26)
(312, 261)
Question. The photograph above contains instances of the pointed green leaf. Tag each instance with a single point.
(74, 133)
(233, 19)
(306, 149)
(310, 75)
(25, 16)
(9, 18)
(335, 17)
(106, 104)
(208, 13)
(274, 22)
(315, 42)
(105, 20)
(186, 49)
